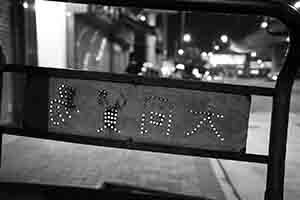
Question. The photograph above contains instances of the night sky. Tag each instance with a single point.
(207, 27)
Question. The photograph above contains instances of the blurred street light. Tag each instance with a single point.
(187, 37)
(203, 54)
(224, 38)
(297, 4)
(142, 18)
(217, 47)
(264, 25)
(253, 54)
(180, 66)
(259, 61)
(180, 51)
(25, 5)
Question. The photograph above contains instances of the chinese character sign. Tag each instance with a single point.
(179, 117)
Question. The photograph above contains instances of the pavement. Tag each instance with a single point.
(59, 163)
(249, 179)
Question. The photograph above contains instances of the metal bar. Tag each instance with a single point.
(130, 144)
(137, 80)
(36, 102)
(43, 191)
(1, 140)
(279, 127)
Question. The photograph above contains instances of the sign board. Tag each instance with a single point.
(148, 114)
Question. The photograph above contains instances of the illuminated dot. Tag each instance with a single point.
(169, 125)
(222, 139)
(78, 111)
(50, 110)
(51, 119)
(198, 126)
(70, 116)
(63, 120)
(143, 119)
(98, 130)
(208, 117)
(58, 107)
(170, 120)
(222, 116)
(187, 133)
(167, 133)
(168, 130)
(204, 119)
(119, 131)
(146, 131)
(142, 128)
(143, 115)
(60, 115)
(212, 125)
(201, 122)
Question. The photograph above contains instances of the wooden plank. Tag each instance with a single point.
(154, 115)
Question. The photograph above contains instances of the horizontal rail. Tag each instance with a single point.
(139, 80)
(130, 144)
(113, 191)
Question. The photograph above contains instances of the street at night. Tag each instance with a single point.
(173, 83)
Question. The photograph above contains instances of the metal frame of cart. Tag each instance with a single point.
(275, 160)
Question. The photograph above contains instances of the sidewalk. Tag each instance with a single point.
(59, 163)
(249, 179)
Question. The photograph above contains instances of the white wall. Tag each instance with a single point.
(51, 33)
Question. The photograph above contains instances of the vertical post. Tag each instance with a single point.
(279, 126)
(278, 140)
(1, 136)
(165, 35)
(151, 41)
(182, 29)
